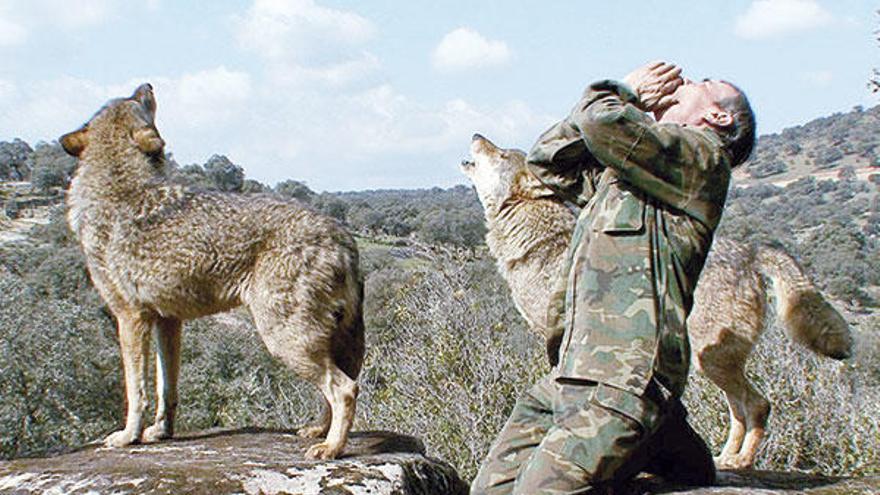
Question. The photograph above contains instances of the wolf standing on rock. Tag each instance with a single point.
(652, 194)
(159, 254)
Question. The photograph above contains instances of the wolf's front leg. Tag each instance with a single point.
(134, 344)
(167, 331)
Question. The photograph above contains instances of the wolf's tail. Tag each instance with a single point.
(807, 317)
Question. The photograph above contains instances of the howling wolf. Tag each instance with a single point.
(159, 254)
(528, 232)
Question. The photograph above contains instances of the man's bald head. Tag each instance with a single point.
(720, 106)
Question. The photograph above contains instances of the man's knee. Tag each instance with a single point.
(531, 418)
(490, 483)
(680, 455)
(589, 447)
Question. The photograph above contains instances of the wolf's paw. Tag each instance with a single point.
(154, 433)
(738, 461)
(120, 438)
(313, 431)
(323, 451)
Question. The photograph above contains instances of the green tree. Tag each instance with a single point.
(13, 160)
(223, 174)
(252, 186)
(295, 189)
(50, 167)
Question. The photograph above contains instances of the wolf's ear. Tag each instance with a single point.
(532, 188)
(144, 95)
(148, 141)
(75, 142)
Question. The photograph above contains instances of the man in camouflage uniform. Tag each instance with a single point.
(652, 193)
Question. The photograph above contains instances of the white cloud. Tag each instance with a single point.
(303, 44)
(385, 121)
(11, 33)
(819, 78)
(774, 18)
(209, 97)
(295, 28)
(7, 90)
(20, 18)
(333, 74)
(199, 102)
(465, 48)
(77, 13)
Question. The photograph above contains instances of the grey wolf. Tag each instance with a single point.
(528, 231)
(159, 254)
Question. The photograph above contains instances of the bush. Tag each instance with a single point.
(447, 357)
(61, 384)
(762, 169)
(50, 167)
(223, 174)
(13, 160)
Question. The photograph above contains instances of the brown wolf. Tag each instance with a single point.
(159, 254)
(528, 231)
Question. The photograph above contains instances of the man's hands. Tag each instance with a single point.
(655, 84)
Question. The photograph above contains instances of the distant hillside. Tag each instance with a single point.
(820, 148)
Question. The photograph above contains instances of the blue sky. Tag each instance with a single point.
(385, 94)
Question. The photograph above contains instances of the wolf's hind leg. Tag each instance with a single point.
(134, 345)
(757, 411)
(304, 345)
(168, 333)
(341, 393)
(723, 364)
(735, 435)
(320, 428)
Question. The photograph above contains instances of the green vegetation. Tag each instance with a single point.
(830, 142)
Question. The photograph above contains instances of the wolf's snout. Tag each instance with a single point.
(142, 91)
(467, 164)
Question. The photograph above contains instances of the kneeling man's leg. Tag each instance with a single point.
(678, 453)
(530, 420)
(596, 441)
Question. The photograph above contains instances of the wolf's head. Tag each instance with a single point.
(500, 175)
(119, 127)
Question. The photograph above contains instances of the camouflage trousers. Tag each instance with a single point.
(573, 438)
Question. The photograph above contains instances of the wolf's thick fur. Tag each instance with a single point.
(529, 229)
(160, 254)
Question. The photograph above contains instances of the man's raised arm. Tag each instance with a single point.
(560, 159)
(671, 163)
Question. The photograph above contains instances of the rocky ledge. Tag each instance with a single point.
(250, 461)
(259, 461)
(764, 483)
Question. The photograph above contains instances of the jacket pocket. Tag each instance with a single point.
(642, 411)
(622, 212)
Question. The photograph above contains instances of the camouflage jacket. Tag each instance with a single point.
(651, 196)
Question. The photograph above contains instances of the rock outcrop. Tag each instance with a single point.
(241, 461)
(764, 483)
(258, 461)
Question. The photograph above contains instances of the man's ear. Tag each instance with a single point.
(75, 142)
(718, 118)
